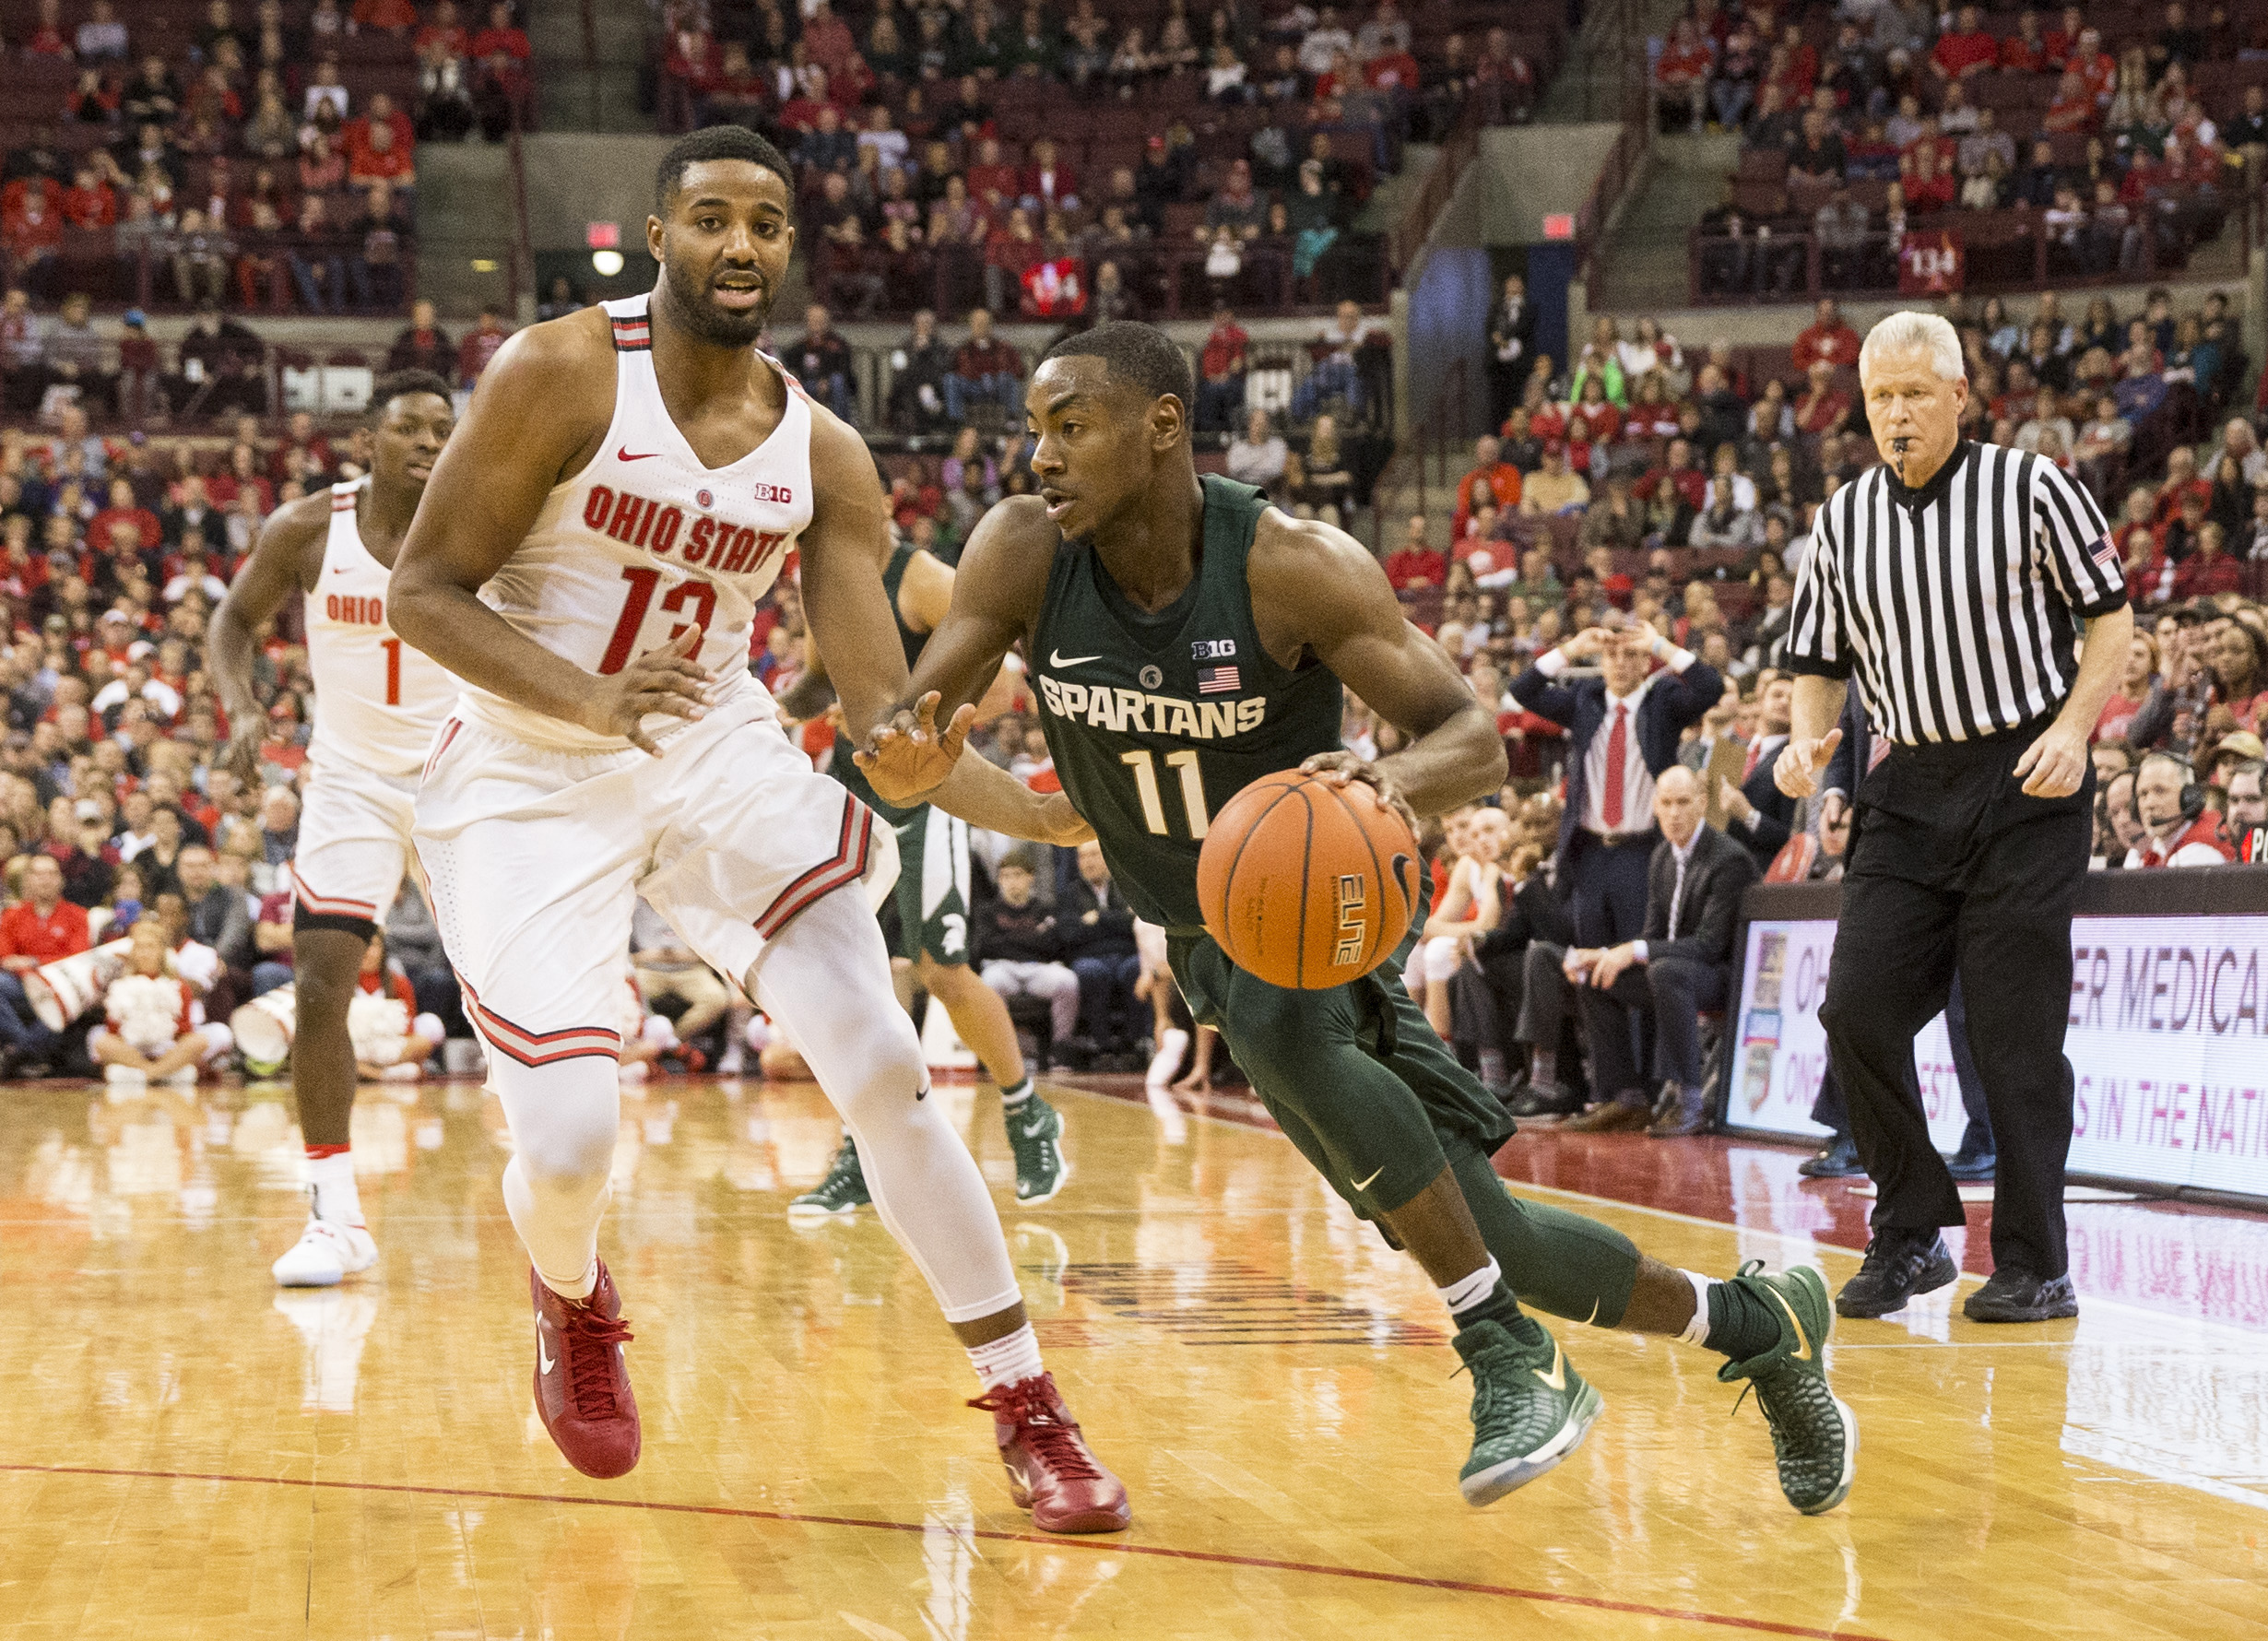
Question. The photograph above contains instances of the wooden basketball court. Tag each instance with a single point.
(187, 1453)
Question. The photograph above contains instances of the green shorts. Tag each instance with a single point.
(1354, 1076)
(932, 894)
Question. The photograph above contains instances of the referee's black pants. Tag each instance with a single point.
(1953, 870)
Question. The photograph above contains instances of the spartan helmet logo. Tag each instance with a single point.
(1151, 678)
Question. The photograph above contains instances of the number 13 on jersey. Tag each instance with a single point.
(1144, 766)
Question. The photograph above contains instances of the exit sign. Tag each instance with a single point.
(602, 236)
(1559, 225)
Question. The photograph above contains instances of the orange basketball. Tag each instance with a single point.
(1305, 884)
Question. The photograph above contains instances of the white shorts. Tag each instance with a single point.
(354, 842)
(534, 861)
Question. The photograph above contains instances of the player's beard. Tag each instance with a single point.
(705, 320)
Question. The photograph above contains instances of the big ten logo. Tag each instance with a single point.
(1354, 925)
(782, 493)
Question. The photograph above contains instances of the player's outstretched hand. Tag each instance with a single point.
(1796, 771)
(1339, 768)
(910, 756)
(667, 680)
(2054, 765)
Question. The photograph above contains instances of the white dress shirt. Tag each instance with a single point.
(1637, 780)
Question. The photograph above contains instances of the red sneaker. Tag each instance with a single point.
(582, 1388)
(1050, 1471)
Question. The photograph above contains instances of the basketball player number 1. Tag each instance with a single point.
(393, 647)
(1153, 806)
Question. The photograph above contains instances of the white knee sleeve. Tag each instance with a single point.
(562, 1118)
(825, 983)
(1443, 956)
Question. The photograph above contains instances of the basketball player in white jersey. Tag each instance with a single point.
(625, 486)
(377, 705)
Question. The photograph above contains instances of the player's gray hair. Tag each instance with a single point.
(1902, 333)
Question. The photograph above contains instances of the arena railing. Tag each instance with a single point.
(2001, 250)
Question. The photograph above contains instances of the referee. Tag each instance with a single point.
(1973, 593)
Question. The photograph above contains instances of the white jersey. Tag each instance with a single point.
(645, 541)
(377, 700)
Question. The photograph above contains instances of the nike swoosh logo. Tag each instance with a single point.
(1364, 1185)
(544, 1359)
(1593, 1317)
(1803, 1343)
(1557, 1380)
(622, 454)
(1058, 658)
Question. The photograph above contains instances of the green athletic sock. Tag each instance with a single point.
(1012, 1098)
(1739, 1323)
(1554, 1261)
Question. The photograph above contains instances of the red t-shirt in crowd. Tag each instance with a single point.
(25, 933)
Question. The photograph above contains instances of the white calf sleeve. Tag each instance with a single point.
(562, 1118)
(825, 983)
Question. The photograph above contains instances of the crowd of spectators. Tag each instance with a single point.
(239, 155)
(1049, 161)
(1884, 138)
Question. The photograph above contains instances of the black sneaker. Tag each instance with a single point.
(1545, 1099)
(1838, 1160)
(1898, 1265)
(2014, 1294)
(1971, 1167)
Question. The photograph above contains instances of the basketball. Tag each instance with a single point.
(1306, 884)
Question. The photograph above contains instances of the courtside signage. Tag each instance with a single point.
(2168, 1040)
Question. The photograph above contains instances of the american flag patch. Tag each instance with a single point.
(1217, 680)
(2104, 553)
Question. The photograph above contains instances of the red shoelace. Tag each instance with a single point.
(1053, 1439)
(591, 1368)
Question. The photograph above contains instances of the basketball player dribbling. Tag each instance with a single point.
(377, 705)
(625, 485)
(1185, 639)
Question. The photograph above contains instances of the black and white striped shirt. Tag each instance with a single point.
(1959, 605)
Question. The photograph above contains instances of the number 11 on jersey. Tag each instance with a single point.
(1154, 805)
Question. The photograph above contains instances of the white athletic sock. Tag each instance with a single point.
(1697, 1330)
(1009, 1361)
(1467, 1292)
(332, 1177)
(1168, 1060)
(1010, 1098)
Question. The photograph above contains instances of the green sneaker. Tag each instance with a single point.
(841, 1194)
(1035, 1134)
(1815, 1436)
(1530, 1410)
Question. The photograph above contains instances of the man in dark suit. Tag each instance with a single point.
(1681, 966)
(1978, 1157)
(1622, 729)
(1757, 813)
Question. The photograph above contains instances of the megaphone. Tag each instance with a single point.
(61, 991)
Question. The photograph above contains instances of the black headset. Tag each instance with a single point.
(2192, 795)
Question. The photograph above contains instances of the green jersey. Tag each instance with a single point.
(1156, 720)
(840, 767)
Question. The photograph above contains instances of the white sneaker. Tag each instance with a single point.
(125, 1077)
(325, 1255)
(184, 1078)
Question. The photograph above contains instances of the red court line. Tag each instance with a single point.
(1099, 1544)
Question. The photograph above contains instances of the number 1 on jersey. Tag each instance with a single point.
(393, 647)
(1154, 805)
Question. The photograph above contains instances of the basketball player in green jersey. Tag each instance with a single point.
(932, 897)
(1185, 639)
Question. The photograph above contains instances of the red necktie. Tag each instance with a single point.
(1618, 749)
(1756, 751)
